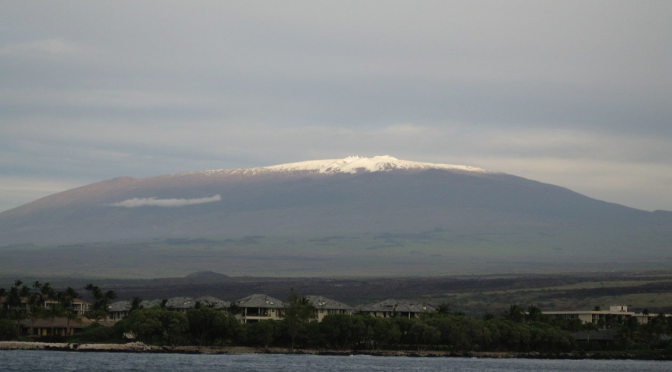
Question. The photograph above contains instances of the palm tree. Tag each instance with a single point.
(101, 301)
(66, 300)
(629, 330)
(35, 310)
(533, 314)
(15, 301)
(514, 314)
(136, 304)
(53, 311)
(589, 327)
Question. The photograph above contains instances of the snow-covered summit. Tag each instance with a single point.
(356, 164)
(351, 164)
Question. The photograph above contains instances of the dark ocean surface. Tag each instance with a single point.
(36, 361)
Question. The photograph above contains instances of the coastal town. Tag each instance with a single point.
(42, 314)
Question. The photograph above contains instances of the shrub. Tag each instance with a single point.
(8, 330)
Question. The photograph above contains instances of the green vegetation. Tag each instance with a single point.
(432, 332)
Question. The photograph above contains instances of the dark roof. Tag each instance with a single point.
(260, 300)
(398, 306)
(326, 303)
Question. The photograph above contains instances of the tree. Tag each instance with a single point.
(207, 324)
(534, 314)
(488, 316)
(15, 302)
(342, 331)
(381, 332)
(589, 327)
(443, 308)
(7, 330)
(263, 333)
(234, 309)
(299, 310)
(136, 304)
(424, 335)
(35, 309)
(101, 301)
(629, 329)
(66, 301)
(54, 310)
(157, 325)
(514, 314)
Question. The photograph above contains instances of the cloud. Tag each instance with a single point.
(154, 202)
(44, 49)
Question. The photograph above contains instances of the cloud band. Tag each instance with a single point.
(154, 202)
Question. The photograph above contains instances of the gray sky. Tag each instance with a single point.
(573, 93)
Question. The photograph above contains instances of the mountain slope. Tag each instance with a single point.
(321, 197)
(339, 197)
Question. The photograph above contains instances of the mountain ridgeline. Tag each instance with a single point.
(480, 211)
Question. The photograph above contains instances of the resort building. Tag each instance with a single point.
(258, 307)
(326, 306)
(390, 308)
(602, 318)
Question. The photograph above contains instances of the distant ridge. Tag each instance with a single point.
(206, 275)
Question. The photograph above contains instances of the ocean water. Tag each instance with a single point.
(37, 361)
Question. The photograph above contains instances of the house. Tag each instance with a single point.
(325, 306)
(391, 307)
(258, 307)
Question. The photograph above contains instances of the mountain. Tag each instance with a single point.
(377, 197)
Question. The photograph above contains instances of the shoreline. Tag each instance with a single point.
(139, 347)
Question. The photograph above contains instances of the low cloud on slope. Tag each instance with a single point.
(154, 202)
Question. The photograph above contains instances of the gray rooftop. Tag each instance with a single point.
(180, 303)
(213, 301)
(125, 305)
(398, 306)
(120, 306)
(326, 303)
(172, 303)
(260, 300)
(150, 304)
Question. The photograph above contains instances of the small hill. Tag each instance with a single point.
(206, 275)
